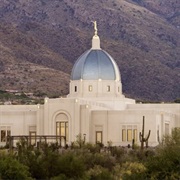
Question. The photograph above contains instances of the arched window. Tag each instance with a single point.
(62, 126)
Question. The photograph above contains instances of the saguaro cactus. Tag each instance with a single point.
(158, 137)
(142, 138)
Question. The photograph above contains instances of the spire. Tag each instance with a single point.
(95, 39)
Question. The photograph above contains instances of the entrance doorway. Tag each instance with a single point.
(99, 137)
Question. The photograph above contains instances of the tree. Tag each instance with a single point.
(10, 168)
(166, 163)
(177, 100)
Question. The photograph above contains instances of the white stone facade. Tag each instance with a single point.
(95, 108)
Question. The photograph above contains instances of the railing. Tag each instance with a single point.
(36, 140)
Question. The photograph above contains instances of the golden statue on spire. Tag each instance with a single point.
(95, 28)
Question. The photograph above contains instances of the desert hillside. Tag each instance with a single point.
(40, 40)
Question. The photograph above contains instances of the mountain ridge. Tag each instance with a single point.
(144, 44)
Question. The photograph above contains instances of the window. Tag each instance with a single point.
(62, 129)
(129, 133)
(75, 88)
(135, 134)
(123, 134)
(32, 135)
(5, 131)
(108, 89)
(90, 88)
(98, 136)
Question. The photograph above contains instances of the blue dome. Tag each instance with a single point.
(95, 64)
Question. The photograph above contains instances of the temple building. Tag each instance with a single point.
(95, 108)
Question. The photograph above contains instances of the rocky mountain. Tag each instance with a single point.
(170, 10)
(41, 39)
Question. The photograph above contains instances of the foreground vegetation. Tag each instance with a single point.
(87, 161)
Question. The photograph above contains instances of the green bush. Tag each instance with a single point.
(130, 170)
(71, 166)
(87, 161)
(10, 168)
(99, 173)
(166, 163)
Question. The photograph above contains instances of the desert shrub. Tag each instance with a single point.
(130, 170)
(101, 159)
(93, 148)
(71, 166)
(166, 163)
(10, 168)
(98, 173)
